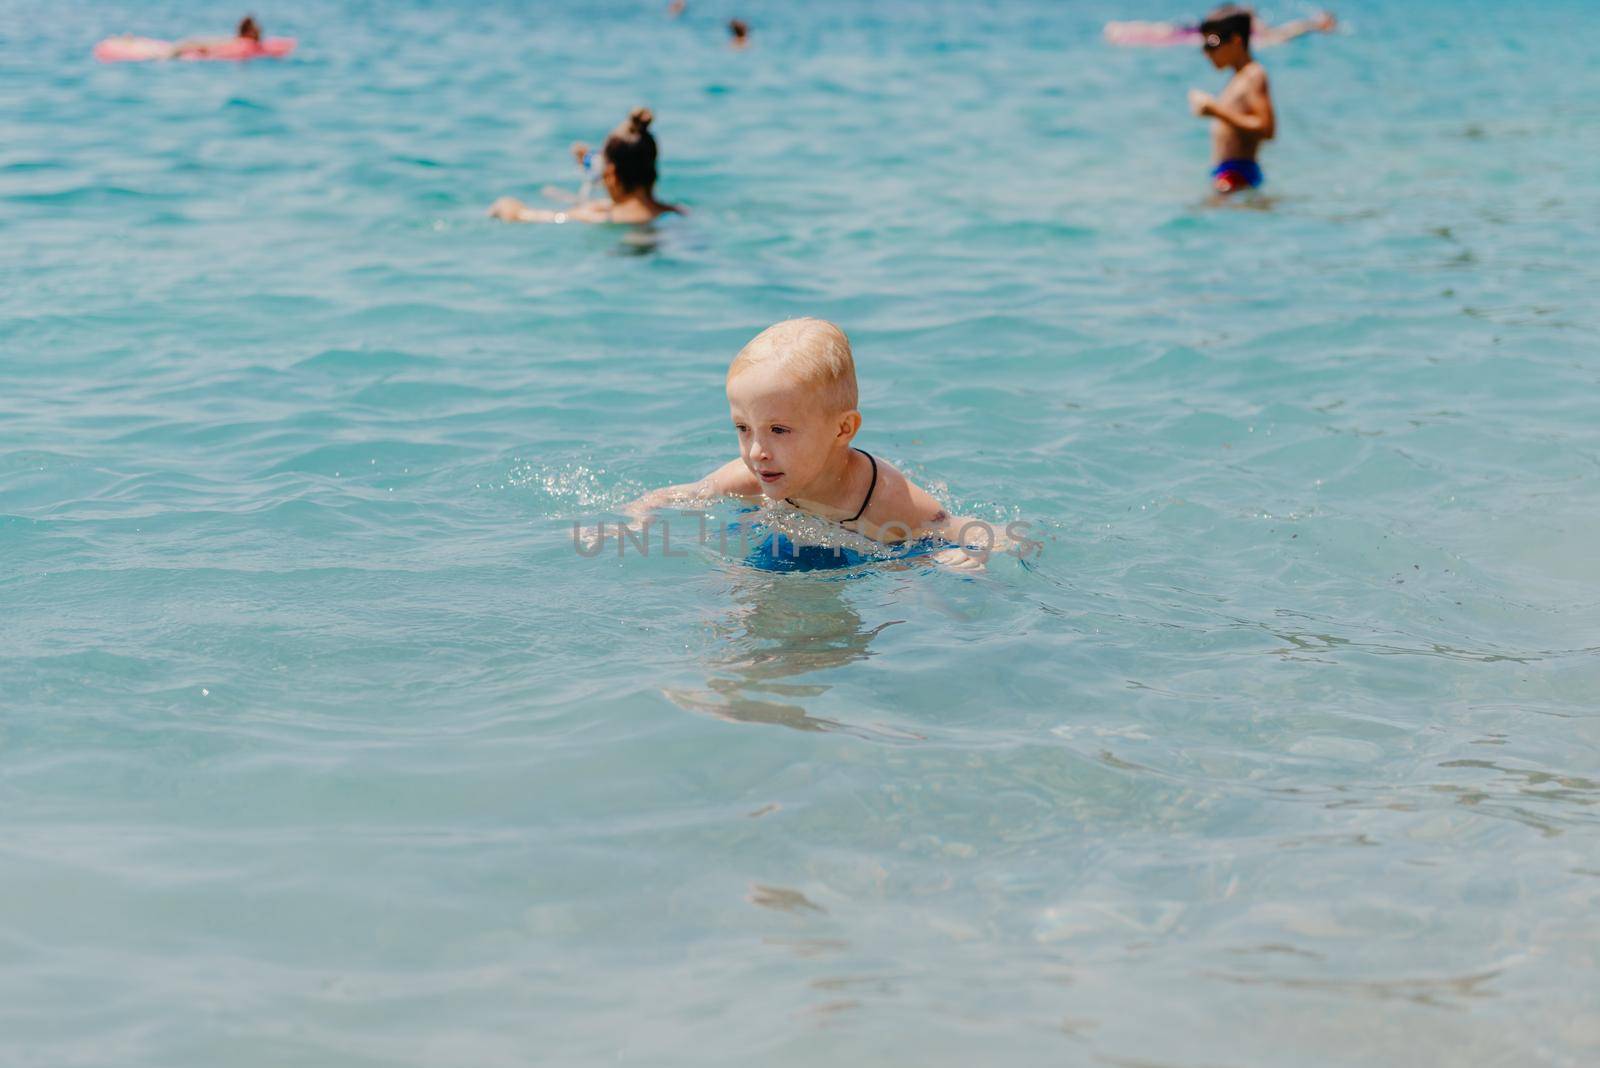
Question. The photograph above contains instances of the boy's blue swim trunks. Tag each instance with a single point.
(1234, 174)
(772, 551)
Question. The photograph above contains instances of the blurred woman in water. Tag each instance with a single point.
(628, 172)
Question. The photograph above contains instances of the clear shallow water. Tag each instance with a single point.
(319, 744)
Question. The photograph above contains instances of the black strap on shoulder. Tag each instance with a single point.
(870, 487)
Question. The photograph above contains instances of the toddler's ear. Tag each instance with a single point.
(849, 423)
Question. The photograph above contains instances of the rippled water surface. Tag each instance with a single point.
(319, 744)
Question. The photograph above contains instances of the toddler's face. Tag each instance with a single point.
(785, 435)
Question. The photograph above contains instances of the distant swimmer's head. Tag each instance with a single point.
(792, 396)
(249, 28)
(739, 32)
(631, 156)
(1225, 35)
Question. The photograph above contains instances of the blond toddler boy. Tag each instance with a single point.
(793, 400)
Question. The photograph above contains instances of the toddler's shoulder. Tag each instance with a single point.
(900, 501)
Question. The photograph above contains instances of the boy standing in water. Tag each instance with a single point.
(1242, 115)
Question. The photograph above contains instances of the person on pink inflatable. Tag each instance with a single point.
(245, 39)
(246, 43)
(628, 170)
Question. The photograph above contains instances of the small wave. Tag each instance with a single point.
(372, 457)
(96, 193)
(366, 361)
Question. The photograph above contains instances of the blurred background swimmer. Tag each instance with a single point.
(1168, 34)
(248, 31)
(627, 168)
(738, 33)
(246, 43)
(1241, 114)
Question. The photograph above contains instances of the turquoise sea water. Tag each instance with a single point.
(319, 744)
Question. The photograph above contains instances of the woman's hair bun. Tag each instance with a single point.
(641, 119)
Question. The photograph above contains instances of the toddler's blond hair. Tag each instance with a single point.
(814, 351)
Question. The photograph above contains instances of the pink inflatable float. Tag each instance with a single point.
(139, 49)
(1151, 34)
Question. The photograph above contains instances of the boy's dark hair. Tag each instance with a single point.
(1229, 20)
(632, 151)
(249, 27)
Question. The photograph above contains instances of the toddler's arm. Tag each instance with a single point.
(732, 479)
(973, 539)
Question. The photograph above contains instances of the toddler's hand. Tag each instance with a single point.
(588, 541)
(1200, 102)
(957, 560)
